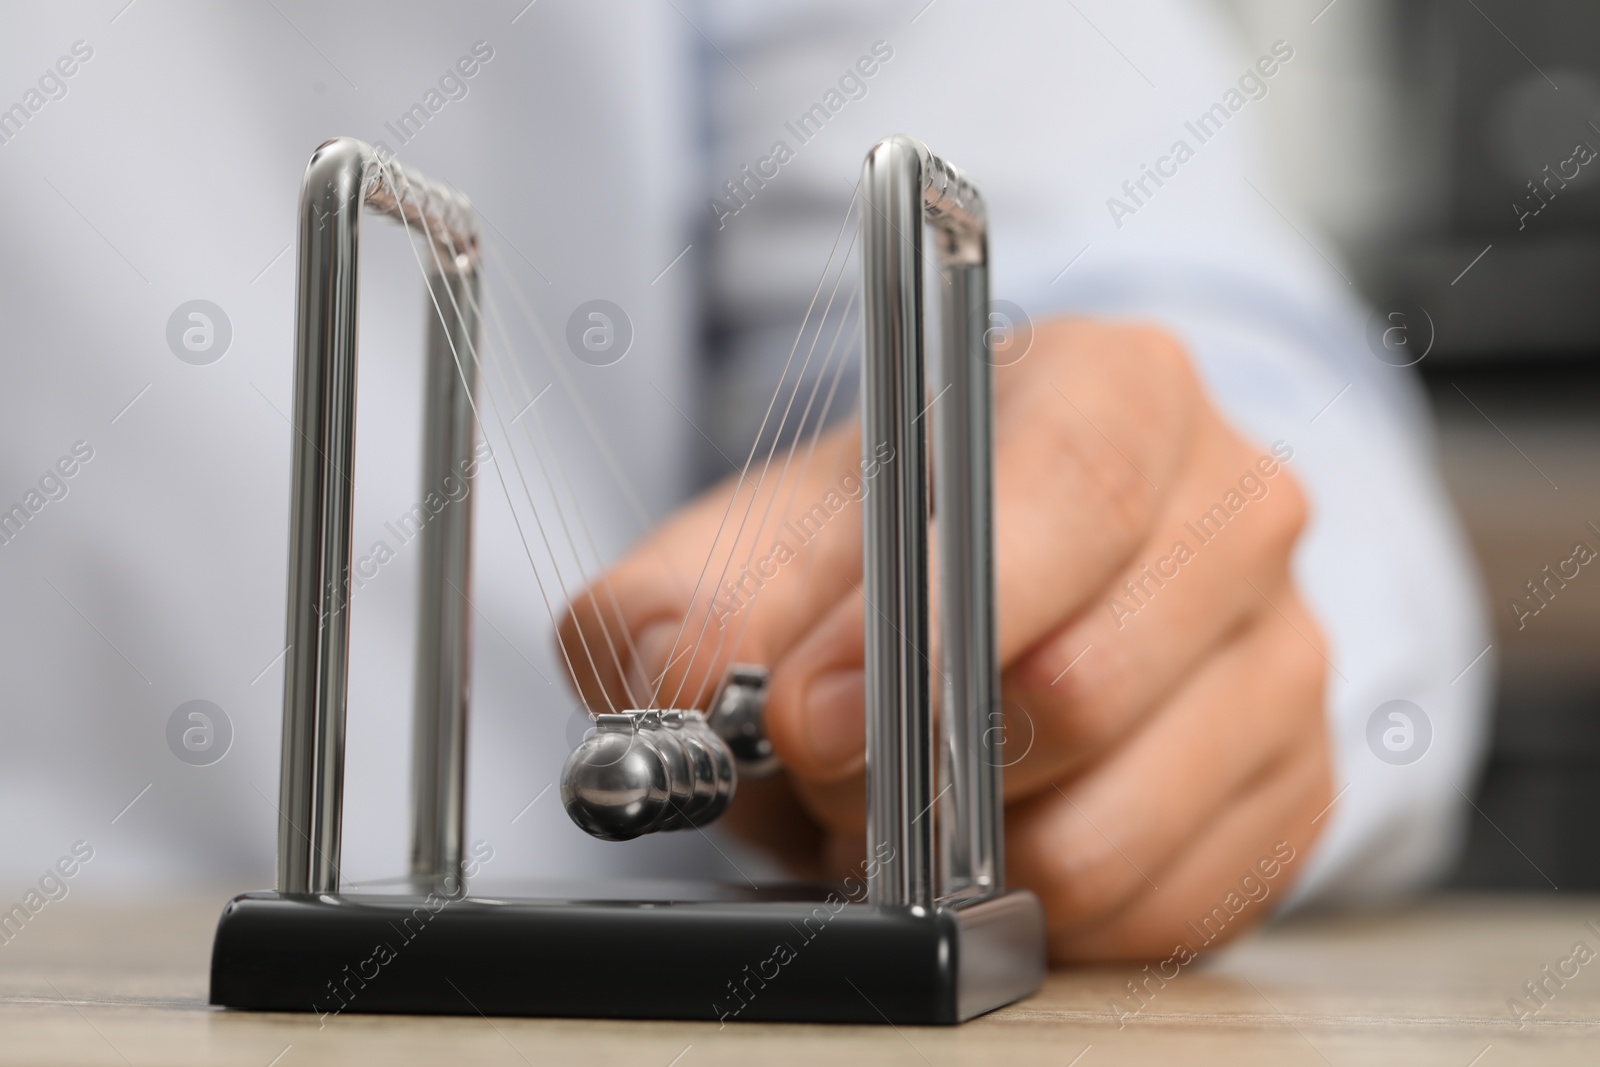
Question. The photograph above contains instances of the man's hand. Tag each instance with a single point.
(1163, 681)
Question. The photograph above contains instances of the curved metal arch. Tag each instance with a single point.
(344, 178)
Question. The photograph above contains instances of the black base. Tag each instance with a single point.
(810, 958)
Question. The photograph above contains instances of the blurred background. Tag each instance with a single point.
(1436, 146)
(1429, 147)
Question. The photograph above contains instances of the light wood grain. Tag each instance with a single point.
(119, 982)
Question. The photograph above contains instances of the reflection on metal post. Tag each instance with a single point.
(343, 176)
(903, 185)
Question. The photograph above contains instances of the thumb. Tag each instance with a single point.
(816, 710)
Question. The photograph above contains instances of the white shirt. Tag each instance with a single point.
(593, 141)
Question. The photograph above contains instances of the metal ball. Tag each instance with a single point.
(668, 745)
(738, 716)
(614, 787)
(646, 771)
(714, 776)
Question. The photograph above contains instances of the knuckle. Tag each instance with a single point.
(1290, 514)
(1278, 507)
(1063, 451)
(1156, 355)
(1071, 696)
(1132, 397)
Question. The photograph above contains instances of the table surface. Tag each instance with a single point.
(103, 982)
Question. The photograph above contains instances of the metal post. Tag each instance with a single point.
(895, 531)
(970, 829)
(343, 176)
(902, 185)
(444, 646)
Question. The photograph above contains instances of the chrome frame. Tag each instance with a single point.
(344, 177)
(903, 187)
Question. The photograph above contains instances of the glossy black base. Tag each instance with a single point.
(812, 957)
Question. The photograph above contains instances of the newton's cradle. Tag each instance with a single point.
(928, 934)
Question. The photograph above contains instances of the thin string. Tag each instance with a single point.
(618, 472)
(778, 433)
(700, 581)
(561, 516)
(575, 396)
(495, 359)
(794, 490)
(837, 455)
(498, 364)
(756, 541)
(604, 580)
(477, 417)
(772, 448)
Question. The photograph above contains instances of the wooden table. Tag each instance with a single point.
(103, 982)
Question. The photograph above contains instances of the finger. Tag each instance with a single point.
(1091, 843)
(816, 719)
(1090, 431)
(1231, 877)
(1220, 539)
(816, 701)
(751, 563)
(815, 711)
(1070, 505)
(1245, 706)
